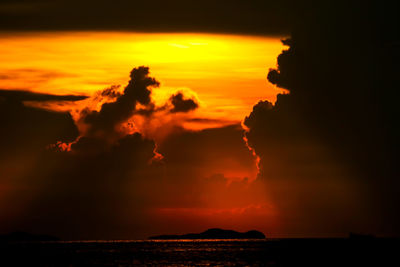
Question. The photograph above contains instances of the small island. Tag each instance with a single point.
(214, 233)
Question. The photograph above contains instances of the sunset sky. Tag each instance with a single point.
(86, 62)
(129, 119)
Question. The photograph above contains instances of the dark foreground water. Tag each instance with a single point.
(286, 252)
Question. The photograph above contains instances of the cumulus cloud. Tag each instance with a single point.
(98, 189)
(137, 91)
(328, 149)
(209, 150)
(104, 182)
(83, 192)
(337, 125)
(180, 104)
(112, 112)
(27, 128)
(111, 92)
(71, 173)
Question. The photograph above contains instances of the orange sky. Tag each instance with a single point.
(227, 73)
(208, 176)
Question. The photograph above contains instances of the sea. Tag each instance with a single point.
(276, 252)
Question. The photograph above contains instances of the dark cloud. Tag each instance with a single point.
(113, 113)
(92, 190)
(177, 103)
(85, 177)
(180, 104)
(208, 151)
(117, 190)
(21, 95)
(176, 15)
(27, 128)
(111, 92)
(338, 125)
(234, 16)
(86, 185)
(327, 150)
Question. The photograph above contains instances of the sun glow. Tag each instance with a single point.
(226, 72)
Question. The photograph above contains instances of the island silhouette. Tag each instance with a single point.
(215, 233)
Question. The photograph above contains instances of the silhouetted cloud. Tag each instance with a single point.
(99, 189)
(327, 150)
(111, 92)
(113, 113)
(208, 150)
(104, 182)
(180, 104)
(337, 125)
(21, 95)
(94, 187)
(70, 174)
(27, 128)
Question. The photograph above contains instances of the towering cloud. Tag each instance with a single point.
(327, 149)
(113, 113)
(88, 180)
(104, 182)
(337, 126)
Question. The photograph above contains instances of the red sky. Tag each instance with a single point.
(207, 172)
(123, 135)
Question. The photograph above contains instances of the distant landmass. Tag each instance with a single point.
(215, 233)
(26, 237)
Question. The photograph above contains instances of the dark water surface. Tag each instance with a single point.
(285, 252)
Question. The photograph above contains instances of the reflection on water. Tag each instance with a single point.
(154, 252)
(287, 252)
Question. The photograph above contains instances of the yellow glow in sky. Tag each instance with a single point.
(226, 72)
